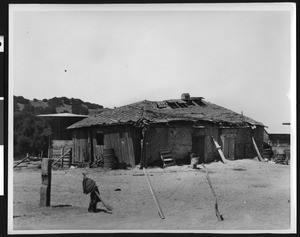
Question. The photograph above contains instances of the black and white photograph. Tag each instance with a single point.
(152, 118)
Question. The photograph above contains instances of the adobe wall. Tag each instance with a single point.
(177, 137)
(244, 147)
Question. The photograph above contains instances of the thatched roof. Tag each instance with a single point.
(195, 109)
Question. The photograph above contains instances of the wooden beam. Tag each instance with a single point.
(223, 159)
(257, 151)
(61, 157)
(27, 156)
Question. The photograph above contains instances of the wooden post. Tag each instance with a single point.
(70, 158)
(45, 191)
(49, 148)
(257, 151)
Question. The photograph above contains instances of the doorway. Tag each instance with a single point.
(198, 144)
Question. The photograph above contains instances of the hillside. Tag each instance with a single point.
(31, 133)
(57, 105)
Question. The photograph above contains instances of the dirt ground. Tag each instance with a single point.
(251, 195)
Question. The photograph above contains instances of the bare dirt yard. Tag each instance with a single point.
(251, 195)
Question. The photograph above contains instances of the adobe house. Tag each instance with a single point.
(138, 132)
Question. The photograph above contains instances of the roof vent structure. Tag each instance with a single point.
(185, 96)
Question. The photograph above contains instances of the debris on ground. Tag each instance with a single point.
(281, 159)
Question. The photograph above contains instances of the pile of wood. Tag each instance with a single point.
(30, 164)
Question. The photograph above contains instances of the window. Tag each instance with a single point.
(100, 138)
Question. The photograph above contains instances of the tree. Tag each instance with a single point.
(21, 99)
(55, 102)
(77, 108)
(31, 133)
(16, 106)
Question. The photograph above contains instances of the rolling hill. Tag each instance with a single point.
(56, 105)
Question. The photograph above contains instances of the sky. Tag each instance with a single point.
(236, 58)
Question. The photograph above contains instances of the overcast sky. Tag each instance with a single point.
(239, 59)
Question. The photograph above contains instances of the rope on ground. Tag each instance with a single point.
(219, 216)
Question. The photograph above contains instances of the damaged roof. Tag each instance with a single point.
(195, 109)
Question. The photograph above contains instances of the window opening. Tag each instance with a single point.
(100, 138)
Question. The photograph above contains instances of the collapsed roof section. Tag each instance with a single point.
(193, 109)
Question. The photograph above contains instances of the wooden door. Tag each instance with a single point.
(127, 149)
(228, 147)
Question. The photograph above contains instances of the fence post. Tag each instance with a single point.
(70, 158)
(45, 191)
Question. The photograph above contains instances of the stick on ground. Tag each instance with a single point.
(160, 213)
(256, 149)
(219, 216)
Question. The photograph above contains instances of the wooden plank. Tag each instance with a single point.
(126, 148)
(27, 157)
(257, 151)
(124, 153)
(131, 152)
(61, 158)
(220, 151)
(166, 160)
(107, 141)
(129, 149)
(144, 150)
(165, 153)
(118, 151)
